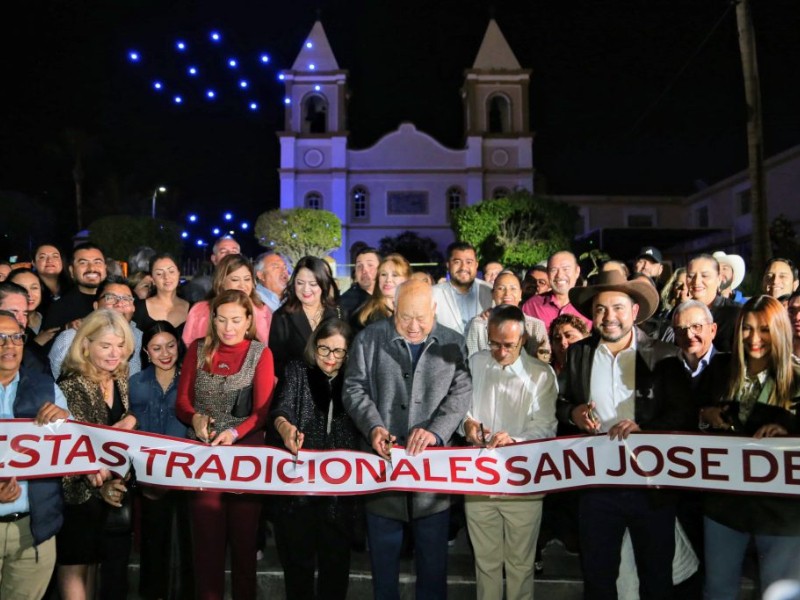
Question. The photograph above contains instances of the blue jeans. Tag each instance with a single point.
(385, 538)
(725, 549)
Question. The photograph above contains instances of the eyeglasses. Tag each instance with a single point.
(113, 299)
(495, 346)
(16, 339)
(337, 352)
(695, 328)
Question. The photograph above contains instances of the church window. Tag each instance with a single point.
(500, 192)
(313, 201)
(315, 114)
(455, 198)
(499, 114)
(360, 198)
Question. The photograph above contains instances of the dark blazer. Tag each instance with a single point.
(763, 515)
(289, 333)
(674, 383)
(304, 397)
(652, 411)
(724, 311)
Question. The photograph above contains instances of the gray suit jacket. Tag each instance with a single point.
(380, 390)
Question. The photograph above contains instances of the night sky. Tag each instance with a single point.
(623, 98)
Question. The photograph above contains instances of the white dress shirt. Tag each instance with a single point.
(613, 384)
(519, 399)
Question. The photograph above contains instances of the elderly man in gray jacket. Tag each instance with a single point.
(407, 381)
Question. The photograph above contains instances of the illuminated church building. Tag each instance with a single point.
(407, 180)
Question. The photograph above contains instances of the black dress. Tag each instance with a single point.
(315, 530)
(289, 333)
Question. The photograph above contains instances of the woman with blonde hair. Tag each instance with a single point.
(94, 379)
(675, 291)
(224, 392)
(233, 272)
(759, 401)
(393, 270)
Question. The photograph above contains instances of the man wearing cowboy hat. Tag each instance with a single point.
(610, 388)
(731, 273)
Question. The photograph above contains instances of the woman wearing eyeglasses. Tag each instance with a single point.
(315, 531)
(760, 402)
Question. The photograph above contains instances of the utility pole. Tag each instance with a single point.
(755, 142)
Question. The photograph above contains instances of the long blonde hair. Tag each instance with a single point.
(94, 325)
(780, 369)
(377, 304)
(212, 341)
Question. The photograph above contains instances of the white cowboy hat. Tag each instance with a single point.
(736, 263)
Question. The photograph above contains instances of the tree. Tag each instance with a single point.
(299, 232)
(413, 247)
(518, 231)
(119, 235)
(784, 239)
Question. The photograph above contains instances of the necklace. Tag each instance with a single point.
(315, 318)
(107, 387)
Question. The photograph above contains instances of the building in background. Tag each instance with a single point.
(407, 180)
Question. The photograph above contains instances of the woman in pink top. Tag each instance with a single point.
(233, 272)
(224, 392)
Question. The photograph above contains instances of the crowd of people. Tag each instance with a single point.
(261, 352)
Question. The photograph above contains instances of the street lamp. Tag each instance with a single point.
(161, 189)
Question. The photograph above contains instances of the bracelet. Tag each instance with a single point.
(234, 433)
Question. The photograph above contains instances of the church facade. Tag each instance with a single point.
(407, 180)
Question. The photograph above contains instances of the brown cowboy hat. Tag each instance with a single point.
(641, 291)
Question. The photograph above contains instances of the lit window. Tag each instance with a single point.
(360, 198)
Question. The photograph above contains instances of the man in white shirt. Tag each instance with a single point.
(610, 387)
(513, 400)
(115, 294)
(463, 296)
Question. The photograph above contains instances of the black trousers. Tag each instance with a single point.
(305, 541)
(165, 569)
(603, 516)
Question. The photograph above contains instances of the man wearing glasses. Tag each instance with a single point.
(513, 400)
(30, 511)
(408, 382)
(114, 294)
(14, 299)
(88, 271)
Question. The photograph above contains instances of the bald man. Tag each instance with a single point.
(407, 382)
